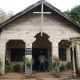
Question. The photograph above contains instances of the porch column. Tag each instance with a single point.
(74, 68)
(68, 54)
(2, 55)
(54, 47)
(78, 56)
(55, 50)
(28, 55)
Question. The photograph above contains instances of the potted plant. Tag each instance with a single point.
(28, 63)
(62, 67)
(56, 66)
(56, 62)
(69, 66)
(16, 68)
(28, 67)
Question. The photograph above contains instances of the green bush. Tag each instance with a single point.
(56, 63)
(62, 67)
(7, 66)
(69, 66)
(16, 68)
(28, 63)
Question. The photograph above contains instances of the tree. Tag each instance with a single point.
(74, 13)
(10, 14)
(4, 16)
(67, 12)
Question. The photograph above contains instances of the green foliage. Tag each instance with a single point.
(7, 66)
(16, 68)
(28, 63)
(67, 12)
(69, 66)
(24, 60)
(62, 67)
(74, 13)
(50, 64)
(56, 63)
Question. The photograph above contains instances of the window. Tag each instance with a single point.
(62, 54)
(17, 54)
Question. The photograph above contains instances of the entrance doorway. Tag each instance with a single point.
(41, 46)
(36, 53)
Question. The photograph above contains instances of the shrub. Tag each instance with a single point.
(16, 68)
(62, 67)
(69, 66)
(56, 63)
(7, 66)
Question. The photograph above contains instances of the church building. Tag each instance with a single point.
(39, 29)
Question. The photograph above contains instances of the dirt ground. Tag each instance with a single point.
(38, 76)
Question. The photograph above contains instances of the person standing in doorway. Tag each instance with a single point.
(42, 60)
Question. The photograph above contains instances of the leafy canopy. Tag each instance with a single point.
(74, 13)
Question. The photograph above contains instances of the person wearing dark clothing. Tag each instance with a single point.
(42, 60)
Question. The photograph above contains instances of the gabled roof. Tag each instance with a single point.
(34, 6)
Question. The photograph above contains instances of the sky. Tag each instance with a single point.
(16, 6)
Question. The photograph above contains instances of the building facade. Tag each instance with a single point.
(60, 36)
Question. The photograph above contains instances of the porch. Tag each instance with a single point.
(52, 48)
